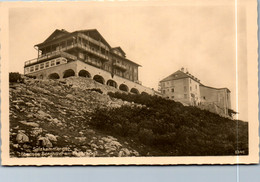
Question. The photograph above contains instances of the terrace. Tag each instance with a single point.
(48, 56)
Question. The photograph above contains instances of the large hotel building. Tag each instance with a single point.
(85, 53)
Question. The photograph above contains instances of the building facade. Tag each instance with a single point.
(85, 53)
(183, 87)
(215, 99)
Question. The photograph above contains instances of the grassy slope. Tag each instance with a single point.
(173, 129)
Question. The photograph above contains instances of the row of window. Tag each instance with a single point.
(185, 89)
(107, 67)
(118, 72)
(172, 90)
(117, 52)
(45, 65)
(168, 83)
(93, 61)
(125, 75)
(89, 40)
(128, 66)
(171, 83)
(56, 46)
(97, 62)
(186, 96)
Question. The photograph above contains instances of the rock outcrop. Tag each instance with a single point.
(49, 118)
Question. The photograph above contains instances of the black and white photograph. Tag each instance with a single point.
(129, 83)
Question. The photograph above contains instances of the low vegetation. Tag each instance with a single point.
(76, 117)
(15, 77)
(170, 128)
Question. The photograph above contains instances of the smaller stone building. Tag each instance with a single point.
(183, 87)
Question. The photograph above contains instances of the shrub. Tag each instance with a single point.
(146, 136)
(100, 119)
(171, 128)
(95, 90)
(30, 76)
(15, 77)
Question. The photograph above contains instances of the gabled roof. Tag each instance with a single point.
(95, 34)
(60, 33)
(133, 62)
(57, 34)
(119, 49)
(180, 75)
(176, 75)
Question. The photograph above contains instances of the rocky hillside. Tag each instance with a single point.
(46, 119)
(80, 117)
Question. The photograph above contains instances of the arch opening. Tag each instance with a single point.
(123, 87)
(112, 83)
(144, 93)
(84, 73)
(68, 73)
(134, 90)
(99, 79)
(54, 76)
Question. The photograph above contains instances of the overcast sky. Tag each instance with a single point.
(160, 38)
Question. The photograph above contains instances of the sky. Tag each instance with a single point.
(161, 38)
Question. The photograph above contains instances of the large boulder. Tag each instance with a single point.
(22, 138)
(42, 114)
(36, 131)
(51, 137)
(44, 142)
(70, 96)
(29, 123)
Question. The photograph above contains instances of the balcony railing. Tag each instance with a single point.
(120, 66)
(49, 56)
(67, 55)
(93, 51)
(31, 61)
(94, 41)
(93, 62)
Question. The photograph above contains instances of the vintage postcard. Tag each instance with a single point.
(129, 83)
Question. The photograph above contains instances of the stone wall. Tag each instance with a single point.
(77, 66)
(218, 97)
